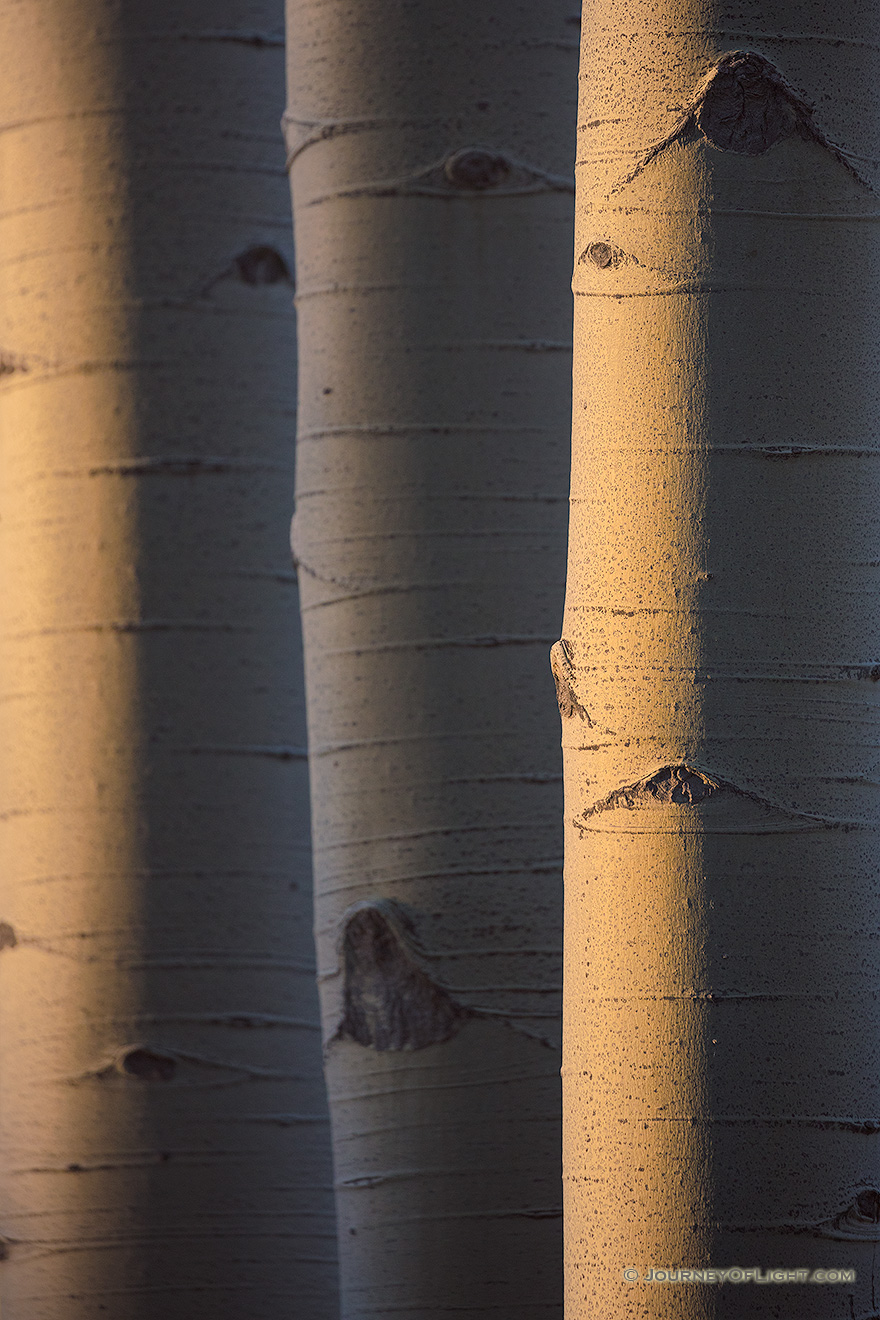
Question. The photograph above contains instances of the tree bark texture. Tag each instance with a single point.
(719, 665)
(431, 149)
(166, 1147)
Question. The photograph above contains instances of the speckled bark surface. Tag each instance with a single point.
(721, 636)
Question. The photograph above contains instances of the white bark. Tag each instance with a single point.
(718, 673)
(164, 1148)
(431, 170)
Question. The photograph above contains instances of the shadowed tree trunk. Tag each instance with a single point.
(164, 1140)
(718, 668)
(430, 147)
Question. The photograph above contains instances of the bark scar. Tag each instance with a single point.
(744, 104)
(146, 1064)
(468, 172)
(685, 785)
(859, 1222)
(674, 783)
(606, 256)
(390, 1002)
(564, 678)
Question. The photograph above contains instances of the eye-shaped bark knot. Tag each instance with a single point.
(746, 106)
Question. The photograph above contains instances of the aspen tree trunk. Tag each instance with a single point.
(718, 671)
(431, 149)
(162, 1107)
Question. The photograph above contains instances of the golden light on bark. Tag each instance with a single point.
(719, 659)
(160, 1060)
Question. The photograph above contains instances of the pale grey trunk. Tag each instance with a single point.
(720, 663)
(431, 148)
(165, 1142)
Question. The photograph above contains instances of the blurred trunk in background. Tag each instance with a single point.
(165, 1148)
(431, 148)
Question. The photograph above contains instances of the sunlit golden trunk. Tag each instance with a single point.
(163, 1125)
(431, 151)
(718, 667)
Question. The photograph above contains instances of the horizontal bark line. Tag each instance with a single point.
(834, 217)
(537, 1212)
(29, 372)
(442, 955)
(842, 671)
(134, 962)
(244, 1019)
(501, 828)
(134, 626)
(303, 131)
(715, 447)
(326, 890)
(46, 1247)
(717, 997)
(689, 290)
(407, 429)
(234, 1072)
(402, 533)
(158, 873)
(443, 643)
(701, 609)
(412, 191)
(175, 465)
(865, 1127)
(132, 1160)
(148, 1290)
(756, 35)
(399, 589)
(422, 495)
(243, 37)
(401, 740)
(278, 752)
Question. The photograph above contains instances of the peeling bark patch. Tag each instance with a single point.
(7, 936)
(678, 784)
(476, 168)
(390, 1002)
(261, 265)
(746, 107)
(564, 678)
(147, 1065)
